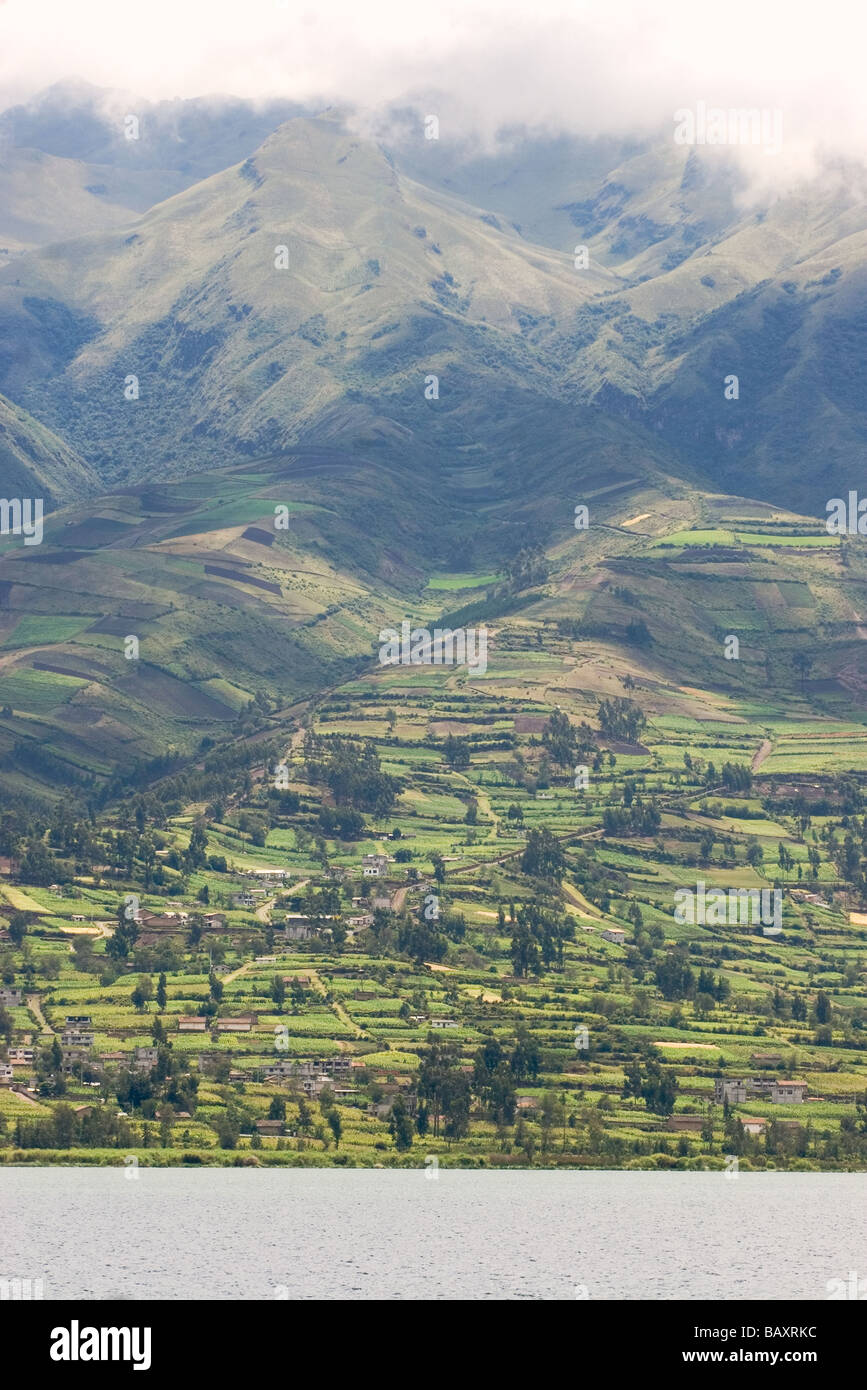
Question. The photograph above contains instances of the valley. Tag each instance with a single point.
(287, 877)
(393, 875)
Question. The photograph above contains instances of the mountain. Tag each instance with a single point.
(171, 145)
(34, 462)
(411, 261)
(150, 617)
(408, 260)
(386, 286)
(283, 386)
(773, 295)
(45, 199)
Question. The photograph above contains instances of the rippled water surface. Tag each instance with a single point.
(96, 1233)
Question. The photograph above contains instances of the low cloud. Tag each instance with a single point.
(489, 65)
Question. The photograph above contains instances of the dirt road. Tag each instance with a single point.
(33, 1006)
(760, 755)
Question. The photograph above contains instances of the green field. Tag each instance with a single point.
(35, 630)
(38, 692)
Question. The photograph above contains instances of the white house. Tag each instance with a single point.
(374, 865)
(789, 1092)
(752, 1125)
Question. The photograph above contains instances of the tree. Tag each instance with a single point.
(124, 937)
(456, 752)
(17, 928)
(529, 567)
(525, 1060)
(456, 1105)
(495, 1085)
(142, 992)
(543, 857)
(161, 991)
(525, 1140)
(674, 977)
(737, 776)
(352, 772)
(621, 719)
(167, 1116)
(400, 1125)
(278, 992)
(538, 939)
(197, 850)
(335, 1124)
(277, 1108)
(803, 665)
(524, 952)
(755, 856)
(547, 1118)
(64, 1125)
(560, 738)
(228, 1128)
(37, 864)
(655, 1085)
(436, 1068)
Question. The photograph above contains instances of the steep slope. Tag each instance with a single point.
(34, 462)
(173, 145)
(384, 287)
(44, 199)
(716, 284)
(221, 601)
(226, 604)
(313, 292)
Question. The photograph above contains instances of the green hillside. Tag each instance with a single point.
(273, 579)
(35, 462)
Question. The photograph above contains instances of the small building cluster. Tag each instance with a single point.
(778, 1092)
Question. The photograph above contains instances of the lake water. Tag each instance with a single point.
(327, 1234)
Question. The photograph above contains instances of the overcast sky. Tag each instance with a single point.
(612, 65)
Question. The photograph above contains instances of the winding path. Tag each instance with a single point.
(760, 754)
(36, 1010)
